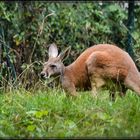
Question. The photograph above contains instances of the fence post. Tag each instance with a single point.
(130, 26)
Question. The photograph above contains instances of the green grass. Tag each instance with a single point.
(53, 114)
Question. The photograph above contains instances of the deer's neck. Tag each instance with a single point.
(66, 73)
(63, 71)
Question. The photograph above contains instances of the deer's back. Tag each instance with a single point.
(114, 56)
(113, 53)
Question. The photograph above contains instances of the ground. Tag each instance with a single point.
(50, 113)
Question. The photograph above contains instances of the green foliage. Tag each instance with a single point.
(29, 27)
(50, 113)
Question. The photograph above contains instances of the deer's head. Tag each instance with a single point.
(54, 66)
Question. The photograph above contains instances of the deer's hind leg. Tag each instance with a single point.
(122, 90)
(117, 86)
(96, 84)
(95, 73)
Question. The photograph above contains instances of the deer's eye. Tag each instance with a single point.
(45, 64)
(52, 65)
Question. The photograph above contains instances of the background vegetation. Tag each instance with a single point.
(27, 28)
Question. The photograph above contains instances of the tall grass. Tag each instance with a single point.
(50, 113)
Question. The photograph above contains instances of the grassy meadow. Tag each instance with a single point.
(27, 29)
(50, 113)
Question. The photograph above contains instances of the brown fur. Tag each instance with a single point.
(96, 66)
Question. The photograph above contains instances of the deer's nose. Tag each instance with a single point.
(42, 75)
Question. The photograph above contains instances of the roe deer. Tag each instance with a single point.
(95, 67)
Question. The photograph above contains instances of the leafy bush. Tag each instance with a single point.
(29, 27)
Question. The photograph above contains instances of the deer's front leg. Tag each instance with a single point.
(69, 87)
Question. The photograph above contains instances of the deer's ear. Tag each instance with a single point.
(65, 53)
(53, 51)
